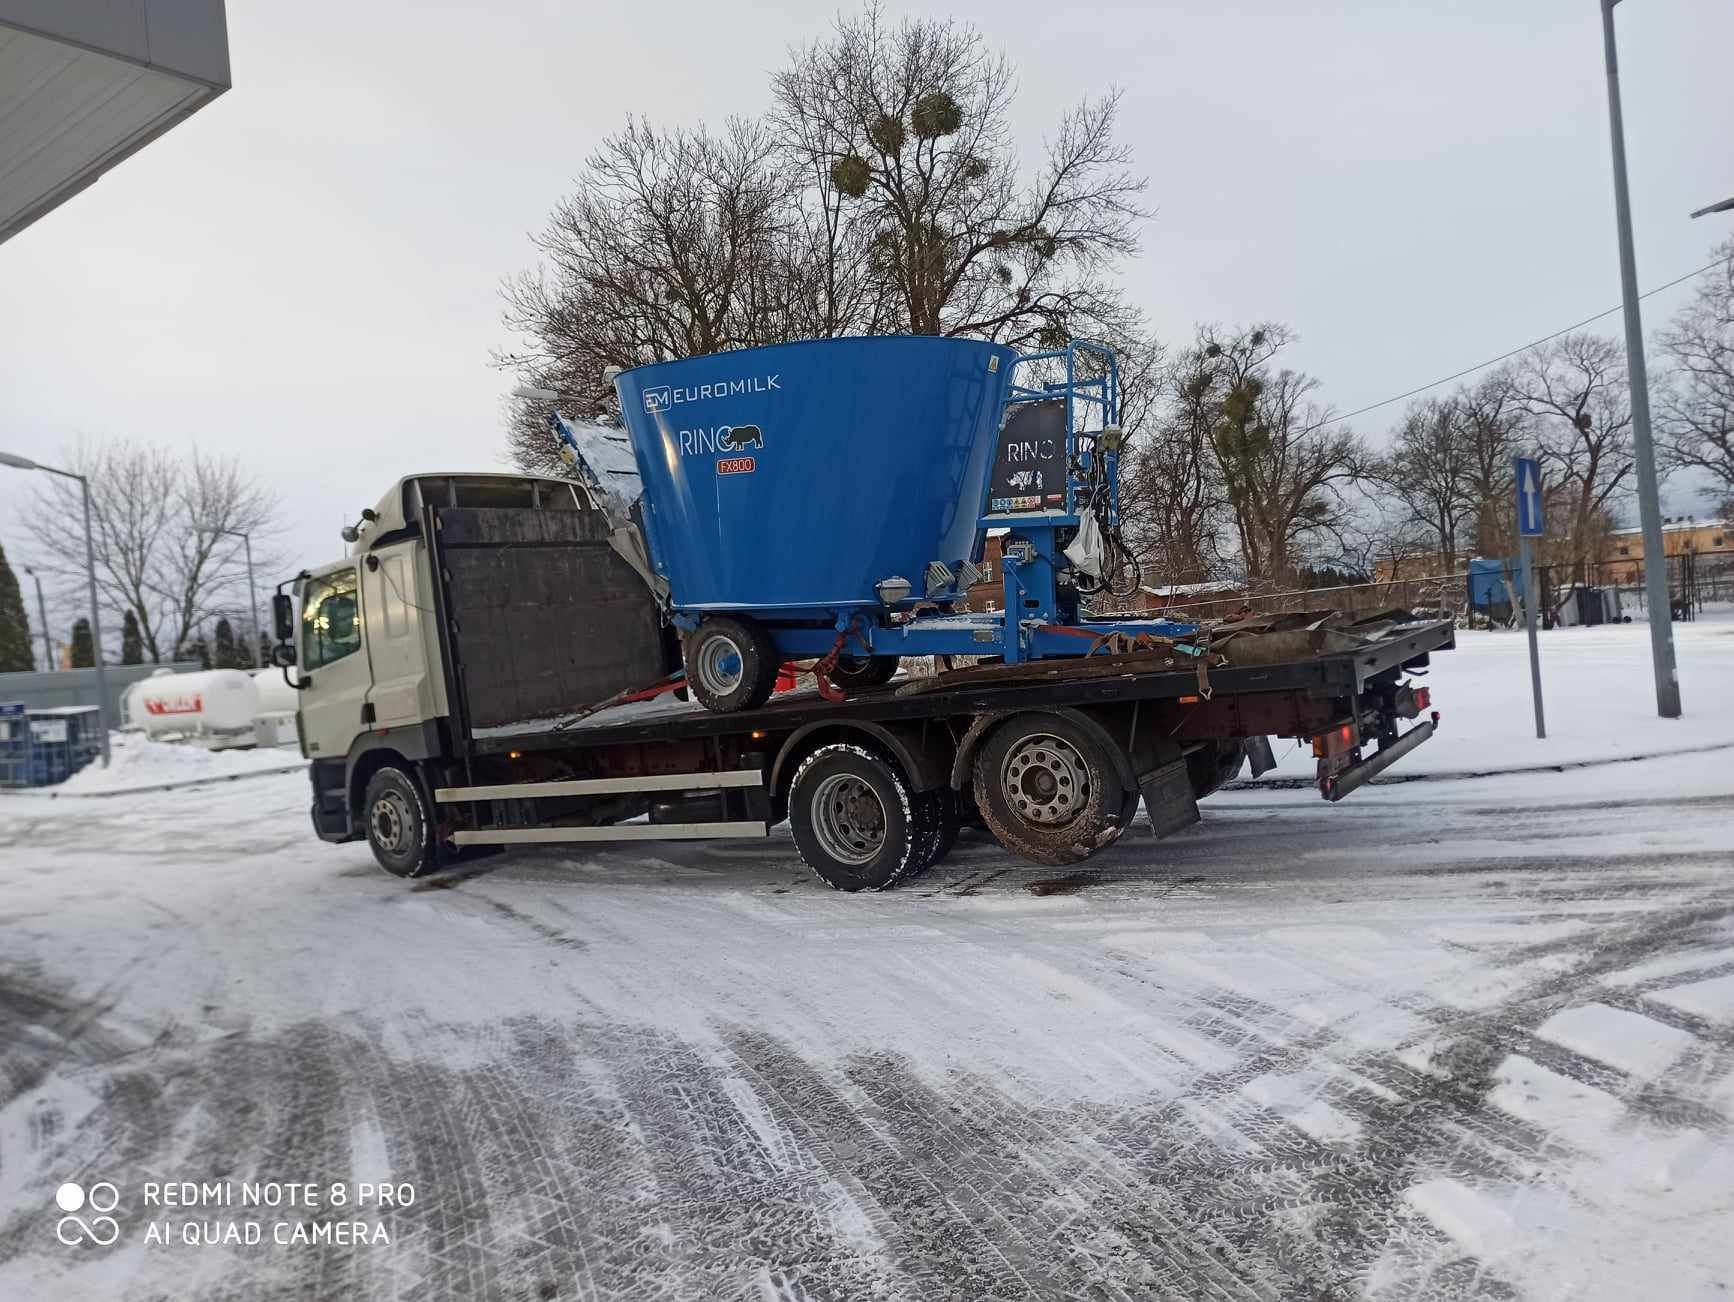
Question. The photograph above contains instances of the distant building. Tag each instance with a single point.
(1622, 556)
(1221, 596)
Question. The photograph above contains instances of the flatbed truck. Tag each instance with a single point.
(465, 675)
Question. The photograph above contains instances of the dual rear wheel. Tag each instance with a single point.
(857, 823)
(1049, 785)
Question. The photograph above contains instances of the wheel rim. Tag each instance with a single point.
(390, 818)
(848, 819)
(719, 665)
(1045, 780)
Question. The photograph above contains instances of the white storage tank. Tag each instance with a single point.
(274, 725)
(275, 695)
(213, 702)
(131, 712)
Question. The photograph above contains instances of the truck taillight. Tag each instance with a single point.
(1338, 741)
(1423, 698)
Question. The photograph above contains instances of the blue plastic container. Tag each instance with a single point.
(795, 477)
(40, 748)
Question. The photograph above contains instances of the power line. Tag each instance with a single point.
(1493, 361)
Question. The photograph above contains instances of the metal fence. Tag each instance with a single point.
(42, 691)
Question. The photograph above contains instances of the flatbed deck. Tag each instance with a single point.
(1075, 682)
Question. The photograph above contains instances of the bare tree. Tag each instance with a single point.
(910, 124)
(1284, 461)
(1383, 535)
(1172, 499)
(158, 525)
(1574, 388)
(1697, 424)
(215, 499)
(674, 243)
(1493, 425)
(1429, 470)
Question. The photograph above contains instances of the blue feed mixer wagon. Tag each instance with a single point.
(831, 499)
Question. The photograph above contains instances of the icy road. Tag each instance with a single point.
(1453, 1039)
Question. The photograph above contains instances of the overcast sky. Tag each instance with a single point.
(306, 273)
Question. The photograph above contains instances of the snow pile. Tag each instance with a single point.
(1597, 689)
(138, 763)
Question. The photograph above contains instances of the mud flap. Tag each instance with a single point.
(1258, 756)
(1168, 799)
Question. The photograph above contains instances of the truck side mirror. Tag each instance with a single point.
(283, 655)
(283, 616)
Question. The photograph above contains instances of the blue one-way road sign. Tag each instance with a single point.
(1529, 523)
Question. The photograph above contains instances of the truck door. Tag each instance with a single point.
(395, 648)
(331, 643)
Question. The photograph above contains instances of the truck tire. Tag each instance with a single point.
(935, 829)
(400, 830)
(950, 816)
(1214, 765)
(855, 821)
(858, 673)
(730, 664)
(1049, 789)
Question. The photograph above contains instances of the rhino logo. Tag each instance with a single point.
(744, 436)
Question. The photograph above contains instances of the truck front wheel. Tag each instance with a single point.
(856, 823)
(1049, 790)
(399, 829)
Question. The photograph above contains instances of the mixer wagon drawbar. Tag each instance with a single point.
(493, 663)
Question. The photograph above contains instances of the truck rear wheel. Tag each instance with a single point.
(855, 820)
(1049, 789)
(1214, 765)
(949, 816)
(399, 829)
(858, 673)
(730, 664)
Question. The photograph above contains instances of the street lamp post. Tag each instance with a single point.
(252, 592)
(1649, 503)
(1727, 205)
(25, 463)
(42, 613)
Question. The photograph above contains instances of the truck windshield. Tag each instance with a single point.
(329, 627)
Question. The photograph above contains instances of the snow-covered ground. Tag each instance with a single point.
(1452, 1039)
(1598, 691)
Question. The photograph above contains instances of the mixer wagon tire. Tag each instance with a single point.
(730, 664)
(1049, 790)
(858, 673)
(399, 828)
(855, 821)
